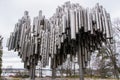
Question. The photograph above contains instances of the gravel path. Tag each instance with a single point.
(68, 79)
(8, 78)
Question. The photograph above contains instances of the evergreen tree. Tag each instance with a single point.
(1, 52)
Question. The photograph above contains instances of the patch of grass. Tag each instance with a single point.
(16, 79)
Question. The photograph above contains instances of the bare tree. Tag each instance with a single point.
(116, 32)
(109, 52)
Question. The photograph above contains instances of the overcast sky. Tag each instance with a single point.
(12, 10)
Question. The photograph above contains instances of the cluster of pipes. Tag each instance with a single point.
(72, 30)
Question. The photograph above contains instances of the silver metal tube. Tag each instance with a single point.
(80, 63)
(64, 23)
(72, 24)
(76, 21)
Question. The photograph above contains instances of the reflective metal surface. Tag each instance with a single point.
(72, 30)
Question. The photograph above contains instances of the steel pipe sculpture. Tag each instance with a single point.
(72, 30)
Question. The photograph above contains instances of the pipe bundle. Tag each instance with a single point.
(71, 30)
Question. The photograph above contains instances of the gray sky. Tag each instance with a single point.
(12, 10)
